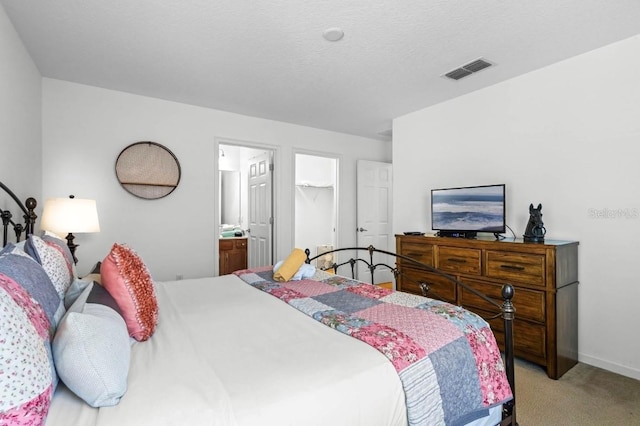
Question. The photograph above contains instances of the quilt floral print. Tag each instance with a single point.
(446, 357)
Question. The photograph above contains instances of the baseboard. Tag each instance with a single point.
(610, 366)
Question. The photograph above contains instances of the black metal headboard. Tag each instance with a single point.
(18, 227)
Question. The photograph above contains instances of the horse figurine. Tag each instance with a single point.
(535, 228)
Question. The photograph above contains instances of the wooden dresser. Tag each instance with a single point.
(233, 254)
(545, 278)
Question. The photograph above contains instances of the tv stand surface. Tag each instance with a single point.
(544, 275)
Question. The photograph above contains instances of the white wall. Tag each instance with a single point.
(20, 119)
(566, 136)
(85, 128)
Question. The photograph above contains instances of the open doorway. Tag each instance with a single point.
(316, 204)
(245, 189)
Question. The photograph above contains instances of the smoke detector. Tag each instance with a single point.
(333, 34)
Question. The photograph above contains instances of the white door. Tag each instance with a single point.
(260, 211)
(374, 198)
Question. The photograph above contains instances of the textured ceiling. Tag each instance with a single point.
(268, 58)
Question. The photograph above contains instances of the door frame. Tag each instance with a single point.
(276, 155)
(331, 155)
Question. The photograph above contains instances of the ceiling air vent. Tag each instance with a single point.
(468, 69)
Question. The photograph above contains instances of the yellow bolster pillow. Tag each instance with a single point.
(290, 265)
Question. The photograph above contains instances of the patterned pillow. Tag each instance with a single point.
(25, 271)
(53, 260)
(20, 269)
(92, 350)
(127, 279)
(62, 245)
(26, 371)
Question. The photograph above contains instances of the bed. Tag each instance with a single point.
(247, 349)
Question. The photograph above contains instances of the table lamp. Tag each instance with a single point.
(69, 215)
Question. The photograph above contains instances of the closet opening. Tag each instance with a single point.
(316, 204)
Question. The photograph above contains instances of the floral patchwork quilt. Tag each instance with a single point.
(446, 357)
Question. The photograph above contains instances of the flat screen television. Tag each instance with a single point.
(469, 209)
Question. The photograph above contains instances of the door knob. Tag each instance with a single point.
(361, 229)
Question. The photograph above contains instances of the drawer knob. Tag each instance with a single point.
(456, 260)
(424, 287)
(512, 267)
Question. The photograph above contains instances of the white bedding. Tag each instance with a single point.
(225, 353)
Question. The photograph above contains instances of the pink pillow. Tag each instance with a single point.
(26, 369)
(127, 279)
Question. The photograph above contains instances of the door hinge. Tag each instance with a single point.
(271, 221)
(271, 167)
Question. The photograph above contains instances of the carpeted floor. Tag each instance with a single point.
(585, 395)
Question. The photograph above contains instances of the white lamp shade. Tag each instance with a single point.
(70, 215)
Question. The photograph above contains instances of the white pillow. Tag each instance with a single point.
(91, 351)
(74, 291)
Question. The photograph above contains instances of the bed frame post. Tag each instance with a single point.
(508, 314)
(29, 215)
(6, 220)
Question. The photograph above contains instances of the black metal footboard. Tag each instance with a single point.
(504, 308)
(29, 217)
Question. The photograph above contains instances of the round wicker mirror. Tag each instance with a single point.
(148, 170)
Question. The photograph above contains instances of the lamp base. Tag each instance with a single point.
(72, 247)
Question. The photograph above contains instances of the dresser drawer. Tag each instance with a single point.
(241, 243)
(530, 339)
(439, 287)
(529, 304)
(416, 251)
(459, 260)
(516, 267)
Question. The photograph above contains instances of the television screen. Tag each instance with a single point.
(469, 209)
